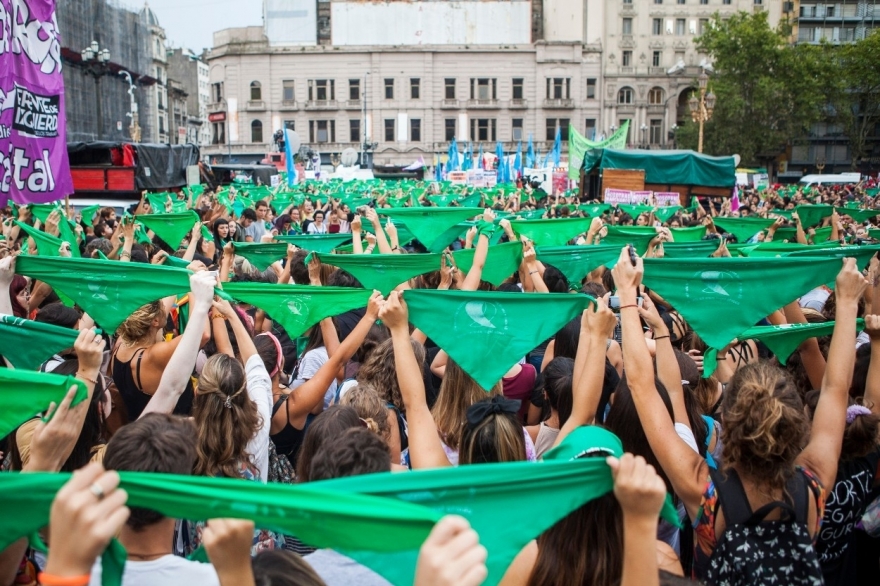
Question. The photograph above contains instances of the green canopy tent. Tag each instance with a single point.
(674, 167)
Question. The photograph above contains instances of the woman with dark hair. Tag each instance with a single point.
(20, 296)
(324, 429)
(284, 226)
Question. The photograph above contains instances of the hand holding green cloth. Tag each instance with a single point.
(862, 254)
(431, 225)
(298, 307)
(856, 214)
(635, 210)
(261, 254)
(501, 262)
(576, 261)
(743, 228)
(693, 234)
(172, 228)
(383, 272)
(638, 236)
(316, 242)
(488, 332)
(556, 232)
(722, 297)
(701, 249)
(774, 248)
(27, 343)
(24, 394)
(813, 214)
(47, 245)
(663, 213)
(107, 290)
(485, 494)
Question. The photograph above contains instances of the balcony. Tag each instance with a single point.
(288, 106)
(656, 71)
(322, 105)
(256, 106)
(449, 105)
(627, 70)
(217, 107)
(559, 104)
(518, 104)
(352, 104)
(483, 104)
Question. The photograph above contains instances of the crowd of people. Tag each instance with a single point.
(770, 461)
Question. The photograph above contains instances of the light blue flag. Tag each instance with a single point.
(468, 162)
(499, 153)
(453, 164)
(288, 154)
(557, 147)
(530, 154)
(438, 170)
(517, 162)
(480, 158)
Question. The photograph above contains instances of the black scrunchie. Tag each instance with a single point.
(479, 411)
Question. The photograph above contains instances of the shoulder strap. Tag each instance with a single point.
(732, 496)
(710, 429)
(277, 404)
(797, 489)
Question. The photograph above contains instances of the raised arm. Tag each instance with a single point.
(472, 281)
(7, 273)
(284, 277)
(826, 435)
(425, 448)
(194, 236)
(381, 239)
(356, 242)
(668, 370)
(872, 384)
(533, 268)
(811, 355)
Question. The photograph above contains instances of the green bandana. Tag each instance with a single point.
(638, 236)
(858, 215)
(694, 234)
(383, 272)
(862, 254)
(486, 493)
(743, 228)
(317, 242)
(298, 307)
(27, 344)
(701, 249)
(594, 210)
(158, 201)
(431, 225)
(774, 248)
(635, 210)
(488, 332)
(551, 232)
(171, 228)
(502, 261)
(47, 245)
(24, 394)
(576, 261)
(107, 290)
(664, 213)
(811, 215)
(722, 297)
(177, 262)
(262, 254)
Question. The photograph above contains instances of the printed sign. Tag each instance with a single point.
(618, 196)
(34, 167)
(641, 197)
(667, 198)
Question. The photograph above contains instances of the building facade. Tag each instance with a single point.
(191, 72)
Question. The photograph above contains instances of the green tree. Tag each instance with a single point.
(768, 94)
(855, 99)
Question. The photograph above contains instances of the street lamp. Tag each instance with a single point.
(701, 108)
(96, 62)
(644, 129)
(134, 128)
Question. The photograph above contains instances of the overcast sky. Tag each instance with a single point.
(191, 23)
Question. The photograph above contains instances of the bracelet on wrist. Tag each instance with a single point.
(660, 337)
(81, 376)
(52, 580)
(636, 305)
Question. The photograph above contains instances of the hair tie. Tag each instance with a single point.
(279, 356)
(228, 402)
(854, 411)
(497, 405)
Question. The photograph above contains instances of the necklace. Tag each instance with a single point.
(146, 556)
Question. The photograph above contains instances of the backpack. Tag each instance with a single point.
(752, 551)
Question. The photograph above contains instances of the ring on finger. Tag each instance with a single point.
(96, 490)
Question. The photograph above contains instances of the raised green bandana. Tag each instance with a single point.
(298, 307)
(594, 210)
(24, 394)
(431, 225)
(502, 261)
(27, 344)
(774, 248)
(47, 245)
(722, 297)
(576, 261)
(813, 214)
(635, 210)
(488, 332)
(261, 254)
(383, 272)
(317, 242)
(664, 213)
(551, 232)
(638, 236)
(171, 228)
(743, 228)
(857, 214)
(486, 493)
(107, 290)
(693, 234)
(701, 249)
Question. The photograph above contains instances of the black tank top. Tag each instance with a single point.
(136, 400)
(288, 440)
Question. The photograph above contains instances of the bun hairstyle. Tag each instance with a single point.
(764, 425)
(137, 327)
(862, 431)
(370, 408)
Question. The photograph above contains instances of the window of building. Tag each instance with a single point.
(704, 26)
(482, 129)
(726, 2)
(449, 88)
(680, 26)
(354, 89)
(256, 91)
(389, 88)
(414, 88)
(704, 2)
(625, 96)
(289, 124)
(518, 88)
(256, 131)
(656, 96)
(322, 89)
(552, 125)
(517, 126)
(758, 2)
(627, 26)
(591, 88)
(656, 58)
(627, 1)
(389, 129)
(449, 129)
(658, 1)
(354, 130)
(590, 128)
(558, 88)
(627, 60)
(655, 127)
(657, 26)
(218, 135)
(322, 131)
(287, 91)
(484, 88)
(415, 130)
(680, 1)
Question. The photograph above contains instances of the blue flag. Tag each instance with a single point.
(468, 162)
(288, 155)
(517, 162)
(438, 170)
(557, 147)
(480, 164)
(499, 153)
(453, 163)
(530, 154)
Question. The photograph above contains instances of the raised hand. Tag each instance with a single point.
(394, 312)
(452, 555)
(637, 486)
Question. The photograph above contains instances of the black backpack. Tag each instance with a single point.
(752, 551)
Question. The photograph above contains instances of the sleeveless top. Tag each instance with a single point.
(546, 436)
(133, 397)
(289, 439)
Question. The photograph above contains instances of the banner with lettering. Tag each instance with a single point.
(667, 198)
(34, 167)
(641, 197)
(618, 196)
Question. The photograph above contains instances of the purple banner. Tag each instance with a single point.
(34, 167)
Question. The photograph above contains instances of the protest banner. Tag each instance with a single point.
(618, 196)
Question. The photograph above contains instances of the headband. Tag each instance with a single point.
(280, 356)
(854, 411)
(497, 405)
